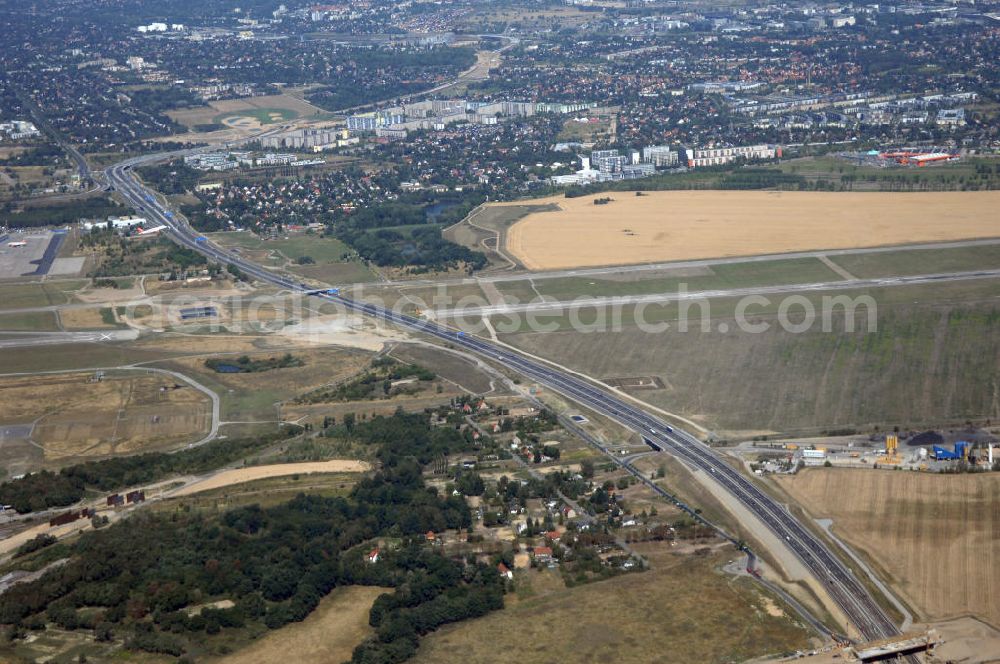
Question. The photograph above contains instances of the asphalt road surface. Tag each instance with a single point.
(27, 339)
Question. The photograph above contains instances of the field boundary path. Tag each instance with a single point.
(836, 268)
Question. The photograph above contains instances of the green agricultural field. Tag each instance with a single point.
(77, 356)
(350, 272)
(524, 291)
(920, 261)
(725, 275)
(409, 297)
(940, 177)
(21, 296)
(322, 250)
(31, 321)
(931, 360)
(332, 258)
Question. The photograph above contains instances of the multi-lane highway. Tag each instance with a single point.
(840, 582)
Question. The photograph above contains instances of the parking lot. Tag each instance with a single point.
(33, 258)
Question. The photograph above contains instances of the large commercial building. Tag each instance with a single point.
(211, 161)
(608, 161)
(306, 139)
(697, 157)
(117, 223)
(605, 166)
(659, 155)
(18, 129)
(374, 120)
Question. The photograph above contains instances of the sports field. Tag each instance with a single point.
(681, 225)
(257, 110)
(934, 537)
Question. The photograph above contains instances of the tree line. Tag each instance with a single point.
(135, 580)
(46, 489)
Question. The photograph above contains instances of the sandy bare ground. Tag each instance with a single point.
(242, 122)
(933, 537)
(681, 225)
(352, 332)
(240, 475)
(76, 419)
(329, 634)
(11, 544)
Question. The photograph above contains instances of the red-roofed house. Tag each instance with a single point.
(505, 572)
(542, 554)
(372, 556)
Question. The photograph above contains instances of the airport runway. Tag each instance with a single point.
(618, 270)
(30, 339)
(558, 306)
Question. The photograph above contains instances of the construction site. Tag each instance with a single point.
(913, 157)
(926, 451)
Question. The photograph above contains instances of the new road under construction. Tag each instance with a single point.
(840, 583)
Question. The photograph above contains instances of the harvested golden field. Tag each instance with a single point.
(329, 634)
(936, 538)
(682, 610)
(75, 418)
(681, 225)
(251, 473)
